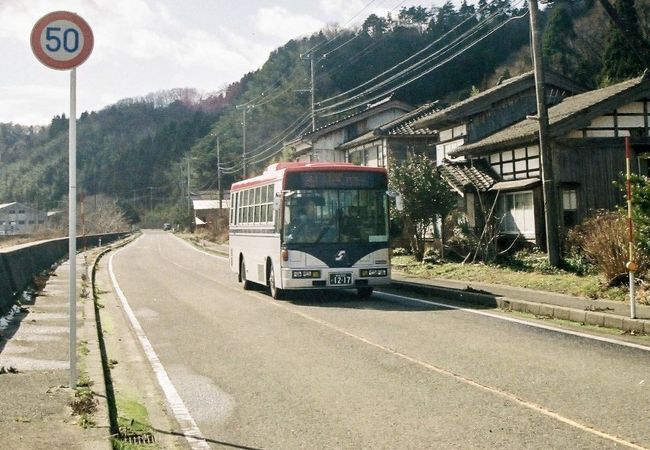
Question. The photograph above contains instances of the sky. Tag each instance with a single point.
(143, 46)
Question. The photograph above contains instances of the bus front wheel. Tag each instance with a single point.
(247, 285)
(276, 292)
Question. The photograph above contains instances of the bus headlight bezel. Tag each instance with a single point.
(372, 273)
(305, 274)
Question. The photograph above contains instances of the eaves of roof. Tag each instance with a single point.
(462, 175)
(393, 104)
(399, 127)
(574, 112)
(483, 100)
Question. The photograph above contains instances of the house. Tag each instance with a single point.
(492, 110)
(322, 144)
(207, 211)
(587, 149)
(393, 141)
(18, 218)
(481, 115)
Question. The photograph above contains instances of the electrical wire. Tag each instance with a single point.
(427, 71)
(427, 47)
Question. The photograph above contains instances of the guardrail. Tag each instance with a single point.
(20, 263)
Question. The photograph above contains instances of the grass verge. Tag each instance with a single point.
(558, 280)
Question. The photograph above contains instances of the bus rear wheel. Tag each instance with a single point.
(275, 292)
(247, 285)
(364, 292)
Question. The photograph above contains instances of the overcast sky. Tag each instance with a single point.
(143, 46)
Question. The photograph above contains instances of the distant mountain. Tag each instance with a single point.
(137, 150)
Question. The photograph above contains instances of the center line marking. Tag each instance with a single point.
(460, 378)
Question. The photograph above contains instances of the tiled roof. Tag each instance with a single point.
(463, 174)
(372, 108)
(582, 106)
(401, 126)
(482, 100)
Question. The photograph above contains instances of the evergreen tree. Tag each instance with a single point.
(620, 61)
(558, 34)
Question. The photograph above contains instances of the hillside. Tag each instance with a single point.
(137, 150)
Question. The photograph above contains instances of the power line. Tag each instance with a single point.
(427, 71)
(427, 47)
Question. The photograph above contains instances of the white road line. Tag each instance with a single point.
(223, 258)
(460, 378)
(522, 322)
(188, 426)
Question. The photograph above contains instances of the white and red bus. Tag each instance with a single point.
(311, 226)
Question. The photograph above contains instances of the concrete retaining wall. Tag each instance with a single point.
(19, 264)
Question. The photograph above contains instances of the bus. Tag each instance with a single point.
(311, 226)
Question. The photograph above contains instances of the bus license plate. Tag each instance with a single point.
(340, 278)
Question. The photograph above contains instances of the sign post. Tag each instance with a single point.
(62, 40)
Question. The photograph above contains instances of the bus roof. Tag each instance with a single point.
(277, 171)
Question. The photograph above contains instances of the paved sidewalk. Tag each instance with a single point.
(35, 410)
(599, 312)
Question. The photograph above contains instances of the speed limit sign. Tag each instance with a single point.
(62, 40)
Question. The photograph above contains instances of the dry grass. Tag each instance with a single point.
(559, 281)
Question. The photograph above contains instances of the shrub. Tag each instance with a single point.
(400, 251)
(530, 260)
(431, 256)
(602, 240)
(462, 242)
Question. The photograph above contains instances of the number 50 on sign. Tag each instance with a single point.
(61, 40)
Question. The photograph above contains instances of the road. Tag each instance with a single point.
(332, 371)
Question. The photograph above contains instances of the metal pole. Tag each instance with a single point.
(313, 94)
(550, 200)
(219, 173)
(72, 226)
(243, 152)
(189, 198)
(631, 264)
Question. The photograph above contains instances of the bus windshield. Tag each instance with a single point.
(335, 216)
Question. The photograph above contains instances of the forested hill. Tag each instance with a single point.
(138, 150)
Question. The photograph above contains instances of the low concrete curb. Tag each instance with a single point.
(477, 297)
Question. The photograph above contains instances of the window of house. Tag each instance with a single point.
(644, 167)
(517, 213)
(516, 164)
(570, 207)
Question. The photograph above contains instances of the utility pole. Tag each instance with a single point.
(189, 197)
(245, 107)
(313, 93)
(548, 183)
(219, 174)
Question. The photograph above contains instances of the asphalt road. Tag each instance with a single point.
(332, 371)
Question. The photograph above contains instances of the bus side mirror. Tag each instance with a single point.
(399, 201)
